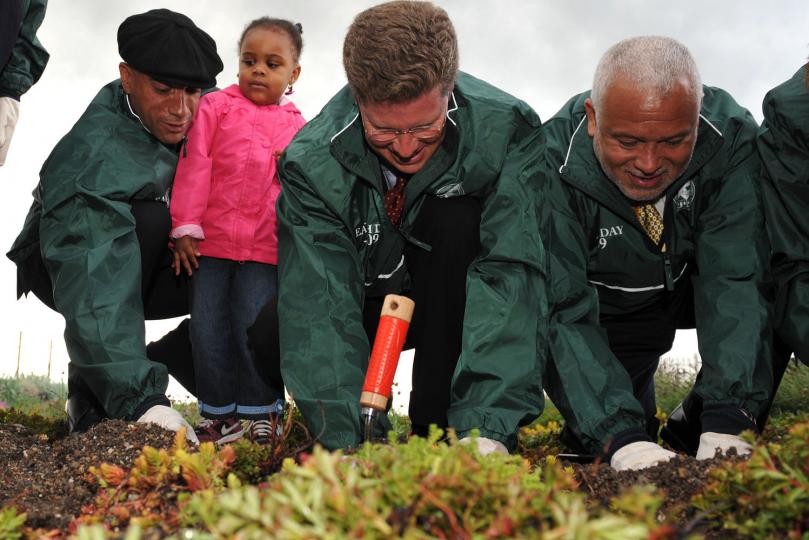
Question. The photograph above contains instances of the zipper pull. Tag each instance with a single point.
(667, 269)
(184, 143)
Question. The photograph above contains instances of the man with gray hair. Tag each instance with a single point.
(657, 182)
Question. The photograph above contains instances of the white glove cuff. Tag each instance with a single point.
(486, 446)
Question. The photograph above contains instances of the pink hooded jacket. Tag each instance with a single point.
(226, 184)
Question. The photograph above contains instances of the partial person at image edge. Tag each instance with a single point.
(23, 59)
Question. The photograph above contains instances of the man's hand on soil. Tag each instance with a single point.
(710, 442)
(170, 419)
(486, 446)
(639, 455)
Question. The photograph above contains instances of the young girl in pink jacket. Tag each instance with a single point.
(224, 228)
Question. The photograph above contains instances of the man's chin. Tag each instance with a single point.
(409, 169)
(643, 194)
(170, 138)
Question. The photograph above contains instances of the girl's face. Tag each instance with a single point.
(266, 65)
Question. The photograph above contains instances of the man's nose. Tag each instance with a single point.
(648, 159)
(178, 105)
(405, 145)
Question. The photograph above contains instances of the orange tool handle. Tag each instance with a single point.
(390, 337)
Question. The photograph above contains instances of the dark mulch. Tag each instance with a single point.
(680, 479)
(47, 479)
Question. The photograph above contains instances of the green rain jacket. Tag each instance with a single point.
(337, 245)
(81, 226)
(29, 57)
(783, 144)
(714, 237)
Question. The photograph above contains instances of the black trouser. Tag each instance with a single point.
(639, 339)
(164, 295)
(451, 227)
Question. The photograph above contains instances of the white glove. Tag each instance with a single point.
(486, 446)
(710, 442)
(168, 418)
(639, 455)
(9, 112)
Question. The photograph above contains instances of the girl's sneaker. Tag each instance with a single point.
(219, 431)
(261, 431)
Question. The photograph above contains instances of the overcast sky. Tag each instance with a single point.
(541, 51)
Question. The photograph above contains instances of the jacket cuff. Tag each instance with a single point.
(623, 438)
(9, 94)
(148, 403)
(194, 231)
(726, 419)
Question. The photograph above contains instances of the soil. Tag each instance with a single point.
(680, 479)
(47, 479)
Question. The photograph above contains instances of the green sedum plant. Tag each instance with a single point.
(11, 523)
(767, 496)
(417, 489)
(151, 493)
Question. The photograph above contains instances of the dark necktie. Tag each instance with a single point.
(651, 221)
(395, 199)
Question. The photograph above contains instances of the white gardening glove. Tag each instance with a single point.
(168, 418)
(486, 446)
(639, 455)
(9, 112)
(710, 441)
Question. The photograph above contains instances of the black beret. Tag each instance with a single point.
(170, 48)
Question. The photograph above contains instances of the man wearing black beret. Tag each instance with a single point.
(94, 245)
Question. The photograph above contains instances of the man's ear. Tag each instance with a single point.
(591, 117)
(126, 77)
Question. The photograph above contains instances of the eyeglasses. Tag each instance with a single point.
(427, 134)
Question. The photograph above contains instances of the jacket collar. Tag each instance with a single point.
(582, 170)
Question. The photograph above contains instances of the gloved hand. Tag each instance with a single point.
(9, 112)
(639, 455)
(168, 418)
(710, 441)
(486, 446)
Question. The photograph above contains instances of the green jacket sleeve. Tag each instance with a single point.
(732, 288)
(324, 348)
(497, 384)
(783, 145)
(92, 255)
(29, 57)
(584, 379)
(531, 314)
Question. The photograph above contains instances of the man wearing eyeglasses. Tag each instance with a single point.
(383, 194)
(408, 176)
